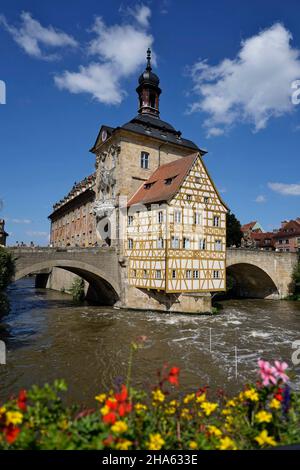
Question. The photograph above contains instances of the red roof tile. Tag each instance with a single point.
(155, 188)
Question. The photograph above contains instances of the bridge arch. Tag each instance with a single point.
(105, 289)
(251, 281)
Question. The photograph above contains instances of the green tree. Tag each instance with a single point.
(233, 232)
(296, 279)
(7, 271)
(77, 290)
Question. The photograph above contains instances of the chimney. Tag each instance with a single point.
(283, 223)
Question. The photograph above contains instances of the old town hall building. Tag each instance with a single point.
(153, 201)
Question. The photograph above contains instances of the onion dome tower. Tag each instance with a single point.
(148, 90)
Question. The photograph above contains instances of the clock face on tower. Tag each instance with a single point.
(103, 135)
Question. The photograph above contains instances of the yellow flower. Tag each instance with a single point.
(158, 396)
(123, 445)
(63, 424)
(101, 397)
(251, 394)
(14, 417)
(263, 438)
(209, 407)
(227, 444)
(231, 403)
(193, 445)
(263, 417)
(140, 407)
(275, 404)
(201, 398)
(174, 403)
(214, 431)
(2, 411)
(119, 427)
(188, 398)
(185, 413)
(170, 411)
(226, 412)
(104, 410)
(155, 442)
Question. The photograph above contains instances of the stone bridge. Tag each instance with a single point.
(255, 273)
(99, 267)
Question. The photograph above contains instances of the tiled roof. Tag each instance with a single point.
(290, 229)
(247, 227)
(77, 189)
(164, 182)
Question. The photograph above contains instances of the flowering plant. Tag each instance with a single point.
(260, 416)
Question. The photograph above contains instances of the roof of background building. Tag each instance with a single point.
(290, 229)
(249, 226)
(77, 189)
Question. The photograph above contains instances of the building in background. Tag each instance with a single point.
(72, 219)
(3, 233)
(287, 238)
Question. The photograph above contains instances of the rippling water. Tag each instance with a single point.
(47, 337)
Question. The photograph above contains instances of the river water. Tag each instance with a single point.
(49, 337)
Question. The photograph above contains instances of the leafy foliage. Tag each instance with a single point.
(7, 271)
(77, 290)
(233, 230)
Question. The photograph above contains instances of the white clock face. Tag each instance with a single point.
(103, 135)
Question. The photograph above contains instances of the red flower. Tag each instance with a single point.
(122, 396)
(22, 400)
(112, 404)
(110, 418)
(173, 376)
(11, 433)
(279, 394)
(124, 408)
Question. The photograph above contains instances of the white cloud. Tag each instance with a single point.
(252, 87)
(21, 221)
(260, 199)
(118, 51)
(285, 189)
(142, 14)
(31, 35)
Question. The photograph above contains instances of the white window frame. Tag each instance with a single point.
(130, 243)
(160, 243)
(175, 242)
(216, 221)
(158, 274)
(145, 160)
(186, 243)
(160, 217)
(177, 216)
(130, 220)
(218, 245)
(195, 273)
(202, 244)
(216, 274)
(197, 218)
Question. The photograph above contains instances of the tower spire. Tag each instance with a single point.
(148, 90)
(149, 60)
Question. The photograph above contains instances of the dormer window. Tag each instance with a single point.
(148, 185)
(145, 160)
(168, 181)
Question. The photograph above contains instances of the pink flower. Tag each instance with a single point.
(280, 367)
(267, 372)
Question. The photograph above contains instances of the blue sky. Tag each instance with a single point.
(226, 70)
